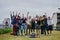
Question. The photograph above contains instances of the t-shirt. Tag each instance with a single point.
(13, 21)
(41, 23)
(45, 21)
(38, 22)
(50, 22)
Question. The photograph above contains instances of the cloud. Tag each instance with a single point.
(33, 6)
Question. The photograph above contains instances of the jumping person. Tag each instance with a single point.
(13, 22)
(33, 25)
(50, 25)
(38, 26)
(17, 24)
(23, 25)
(45, 24)
(20, 23)
(17, 29)
(41, 24)
(28, 23)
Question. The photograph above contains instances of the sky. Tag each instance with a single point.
(35, 7)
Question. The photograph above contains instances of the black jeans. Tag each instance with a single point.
(41, 29)
(17, 31)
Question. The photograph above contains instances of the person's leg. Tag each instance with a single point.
(14, 29)
(34, 30)
(48, 30)
(29, 31)
(37, 32)
(24, 32)
(51, 28)
(25, 29)
(41, 29)
(44, 30)
(21, 30)
(16, 32)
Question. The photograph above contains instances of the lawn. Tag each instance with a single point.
(55, 36)
(5, 30)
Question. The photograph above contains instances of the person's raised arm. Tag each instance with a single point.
(10, 14)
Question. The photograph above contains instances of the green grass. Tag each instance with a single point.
(54, 36)
(5, 30)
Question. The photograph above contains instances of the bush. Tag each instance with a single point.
(5, 30)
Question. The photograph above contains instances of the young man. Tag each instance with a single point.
(50, 24)
(13, 22)
(45, 24)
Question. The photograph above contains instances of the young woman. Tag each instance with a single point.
(28, 23)
(38, 27)
(41, 24)
(23, 26)
(33, 25)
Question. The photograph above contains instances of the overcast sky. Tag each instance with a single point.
(38, 7)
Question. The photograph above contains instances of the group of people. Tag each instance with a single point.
(26, 25)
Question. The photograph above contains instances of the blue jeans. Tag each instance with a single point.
(23, 27)
(17, 31)
(44, 29)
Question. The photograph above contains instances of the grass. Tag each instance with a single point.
(54, 36)
(5, 30)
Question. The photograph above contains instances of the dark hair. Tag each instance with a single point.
(44, 16)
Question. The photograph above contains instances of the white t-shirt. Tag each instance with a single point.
(50, 22)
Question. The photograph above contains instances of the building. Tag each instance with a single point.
(56, 20)
(6, 22)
